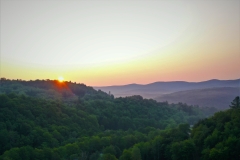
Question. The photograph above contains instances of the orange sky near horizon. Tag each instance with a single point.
(105, 43)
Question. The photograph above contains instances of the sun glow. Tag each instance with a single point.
(60, 79)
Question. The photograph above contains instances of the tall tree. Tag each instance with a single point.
(235, 103)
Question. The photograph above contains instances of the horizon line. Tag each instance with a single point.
(3, 78)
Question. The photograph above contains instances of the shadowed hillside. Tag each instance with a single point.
(215, 97)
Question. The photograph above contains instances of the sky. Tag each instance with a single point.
(102, 43)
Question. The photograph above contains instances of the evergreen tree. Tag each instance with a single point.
(235, 103)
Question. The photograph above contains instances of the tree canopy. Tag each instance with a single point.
(93, 125)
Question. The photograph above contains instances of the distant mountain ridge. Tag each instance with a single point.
(219, 97)
(212, 93)
(155, 89)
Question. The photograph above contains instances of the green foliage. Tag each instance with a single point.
(126, 155)
(218, 137)
(136, 155)
(41, 123)
(49, 120)
(183, 150)
(108, 156)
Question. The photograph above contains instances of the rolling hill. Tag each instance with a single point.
(45, 119)
(155, 89)
(219, 97)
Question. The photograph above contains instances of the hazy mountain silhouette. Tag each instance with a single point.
(219, 97)
(156, 89)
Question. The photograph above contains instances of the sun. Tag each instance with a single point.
(60, 79)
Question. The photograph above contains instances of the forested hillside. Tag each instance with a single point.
(215, 138)
(218, 137)
(89, 124)
(47, 89)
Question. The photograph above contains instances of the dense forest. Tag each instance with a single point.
(46, 119)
